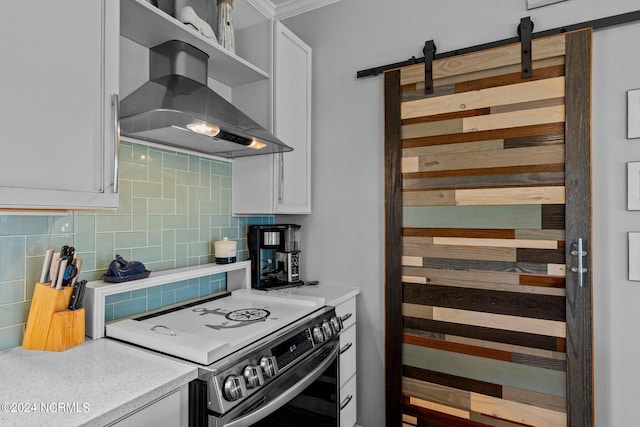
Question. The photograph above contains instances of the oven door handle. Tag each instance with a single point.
(287, 395)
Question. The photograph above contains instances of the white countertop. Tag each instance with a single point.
(333, 294)
(94, 383)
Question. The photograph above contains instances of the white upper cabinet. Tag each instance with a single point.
(281, 183)
(58, 121)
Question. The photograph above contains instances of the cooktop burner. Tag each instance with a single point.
(208, 331)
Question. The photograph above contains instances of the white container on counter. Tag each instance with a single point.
(225, 251)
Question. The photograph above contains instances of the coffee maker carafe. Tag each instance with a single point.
(274, 251)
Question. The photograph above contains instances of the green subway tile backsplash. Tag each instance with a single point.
(172, 207)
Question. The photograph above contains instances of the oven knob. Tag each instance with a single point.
(318, 335)
(336, 322)
(269, 366)
(326, 327)
(234, 387)
(253, 376)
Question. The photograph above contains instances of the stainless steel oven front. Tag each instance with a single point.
(287, 380)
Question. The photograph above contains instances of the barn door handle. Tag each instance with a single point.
(576, 250)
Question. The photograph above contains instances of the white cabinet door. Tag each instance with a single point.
(292, 121)
(57, 121)
(281, 183)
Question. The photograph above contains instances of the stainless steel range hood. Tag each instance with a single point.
(176, 108)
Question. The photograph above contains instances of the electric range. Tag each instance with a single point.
(250, 347)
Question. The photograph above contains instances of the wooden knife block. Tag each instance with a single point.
(51, 325)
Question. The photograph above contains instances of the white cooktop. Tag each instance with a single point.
(209, 331)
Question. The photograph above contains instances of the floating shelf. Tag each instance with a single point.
(238, 277)
(149, 26)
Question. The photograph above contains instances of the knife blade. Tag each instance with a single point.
(53, 271)
(46, 265)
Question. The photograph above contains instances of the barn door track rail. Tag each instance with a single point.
(525, 35)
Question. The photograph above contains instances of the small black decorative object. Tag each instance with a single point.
(121, 270)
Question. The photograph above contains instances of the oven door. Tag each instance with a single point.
(307, 394)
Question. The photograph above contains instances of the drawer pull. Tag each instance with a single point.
(345, 402)
(346, 347)
(346, 317)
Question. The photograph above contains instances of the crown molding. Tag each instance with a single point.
(290, 8)
(264, 6)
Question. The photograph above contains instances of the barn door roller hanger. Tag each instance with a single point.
(524, 34)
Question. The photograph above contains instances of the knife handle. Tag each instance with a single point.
(55, 266)
(78, 264)
(74, 298)
(46, 265)
(63, 268)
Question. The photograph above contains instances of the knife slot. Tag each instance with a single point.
(51, 326)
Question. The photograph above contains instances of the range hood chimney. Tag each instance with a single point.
(177, 108)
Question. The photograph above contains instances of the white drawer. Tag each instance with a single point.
(347, 310)
(347, 354)
(348, 411)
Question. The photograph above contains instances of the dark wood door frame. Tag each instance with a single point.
(393, 249)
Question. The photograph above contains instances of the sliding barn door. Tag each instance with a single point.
(487, 199)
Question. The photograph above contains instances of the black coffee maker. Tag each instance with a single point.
(274, 251)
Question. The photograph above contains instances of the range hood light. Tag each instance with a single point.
(256, 145)
(204, 129)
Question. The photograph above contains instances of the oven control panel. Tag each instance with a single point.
(255, 369)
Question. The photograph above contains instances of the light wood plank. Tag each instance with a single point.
(527, 105)
(483, 369)
(412, 261)
(434, 274)
(505, 196)
(540, 235)
(518, 412)
(547, 47)
(559, 270)
(429, 198)
(410, 164)
(499, 217)
(463, 147)
(496, 96)
(498, 243)
(526, 156)
(409, 419)
(493, 72)
(417, 310)
(439, 408)
(501, 321)
(538, 116)
(415, 248)
(414, 279)
(442, 127)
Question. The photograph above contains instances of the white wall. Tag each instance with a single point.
(343, 238)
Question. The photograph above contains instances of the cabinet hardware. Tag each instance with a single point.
(345, 402)
(346, 347)
(115, 101)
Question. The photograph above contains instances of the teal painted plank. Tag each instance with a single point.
(540, 380)
(505, 217)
